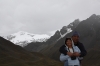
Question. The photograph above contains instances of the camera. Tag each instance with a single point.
(73, 58)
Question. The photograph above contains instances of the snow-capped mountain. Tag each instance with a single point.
(22, 38)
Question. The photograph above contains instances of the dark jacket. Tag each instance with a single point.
(79, 45)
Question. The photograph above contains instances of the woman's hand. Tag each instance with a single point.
(70, 54)
(76, 54)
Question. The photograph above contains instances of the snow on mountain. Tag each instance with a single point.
(23, 38)
(68, 31)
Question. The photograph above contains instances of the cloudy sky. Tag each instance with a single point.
(43, 16)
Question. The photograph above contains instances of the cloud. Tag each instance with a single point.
(43, 16)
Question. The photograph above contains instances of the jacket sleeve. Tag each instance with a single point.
(78, 49)
(63, 50)
(63, 57)
(83, 51)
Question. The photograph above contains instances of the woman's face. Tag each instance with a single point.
(69, 43)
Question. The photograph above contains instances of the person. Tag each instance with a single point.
(70, 60)
(75, 37)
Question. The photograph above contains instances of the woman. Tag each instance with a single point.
(70, 60)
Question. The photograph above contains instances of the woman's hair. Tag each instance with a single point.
(67, 39)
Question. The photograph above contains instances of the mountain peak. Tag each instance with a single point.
(23, 38)
(93, 16)
(76, 20)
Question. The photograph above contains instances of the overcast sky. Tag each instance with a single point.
(43, 16)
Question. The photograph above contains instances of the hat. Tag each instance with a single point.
(75, 34)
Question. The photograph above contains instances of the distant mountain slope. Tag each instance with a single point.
(14, 55)
(22, 38)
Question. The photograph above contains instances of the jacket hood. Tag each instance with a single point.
(72, 44)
